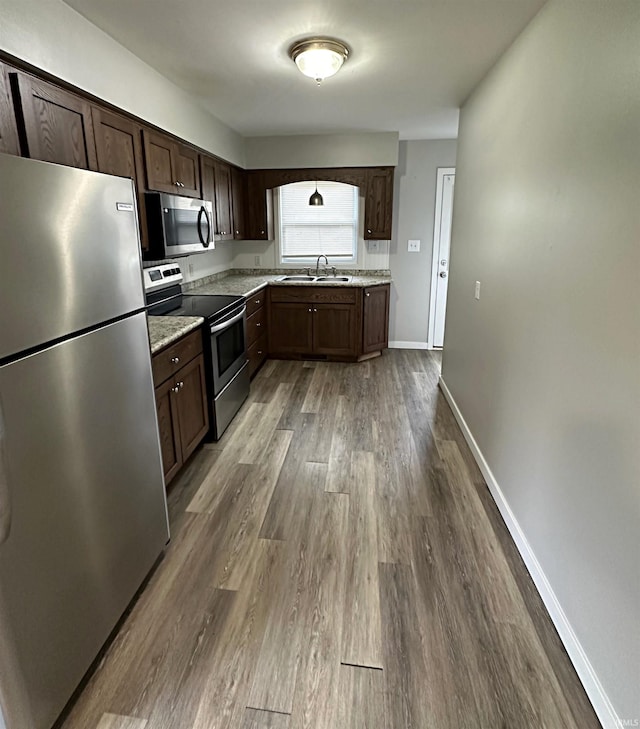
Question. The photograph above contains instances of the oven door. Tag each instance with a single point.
(228, 347)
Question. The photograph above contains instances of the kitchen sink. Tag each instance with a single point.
(297, 278)
(315, 279)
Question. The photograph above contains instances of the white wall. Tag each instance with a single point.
(54, 37)
(545, 367)
(413, 217)
(367, 149)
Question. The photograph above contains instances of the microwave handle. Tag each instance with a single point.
(205, 241)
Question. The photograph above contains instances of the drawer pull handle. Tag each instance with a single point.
(175, 360)
(259, 351)
(258, 324)
(309, 310)
(257, 301)
(367, 294)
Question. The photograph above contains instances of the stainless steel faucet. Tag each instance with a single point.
(326, 260)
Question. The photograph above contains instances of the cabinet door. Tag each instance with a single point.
(334, 329)
(57, 124)
(238, 194)
(191, 405)
(8, 128)
(224, 215)
(375, 319)
(290, 328)
(168, 428)
(186, 164)
(378, 203)
(259, 209)
(208, 178)
(119, 151)
(159, 165)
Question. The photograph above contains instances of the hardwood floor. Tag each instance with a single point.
(336, 563)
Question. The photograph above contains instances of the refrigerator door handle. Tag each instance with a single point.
(5, 494)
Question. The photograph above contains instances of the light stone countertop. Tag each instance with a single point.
(164, 330)
(246, 285)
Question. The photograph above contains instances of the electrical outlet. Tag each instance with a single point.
(414, 246)
(191, 269)
(374, 246)
(477, 290)
(256, 260)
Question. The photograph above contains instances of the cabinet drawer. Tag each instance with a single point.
(255, 301)
(257, 354)
(256, 325)
(314, 294)
(171, 359)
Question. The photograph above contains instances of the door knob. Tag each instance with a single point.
(443, 274)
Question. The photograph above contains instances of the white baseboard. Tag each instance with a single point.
(594, 689)
(409, 345)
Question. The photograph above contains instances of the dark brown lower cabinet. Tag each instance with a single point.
(334, 330)
(168, 428)
(340, 323)
(375, 318)
(257, 330)
(290, 328)
(181, 402)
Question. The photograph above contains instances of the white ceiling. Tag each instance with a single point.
(413, 62)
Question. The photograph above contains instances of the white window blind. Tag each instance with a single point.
(307, 231)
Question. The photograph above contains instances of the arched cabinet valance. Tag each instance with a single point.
(375, 183)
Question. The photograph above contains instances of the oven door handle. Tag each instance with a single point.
(225, 324)
(205, 241)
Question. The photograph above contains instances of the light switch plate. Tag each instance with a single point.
(256, 260)
(477, 294)
(414, 246)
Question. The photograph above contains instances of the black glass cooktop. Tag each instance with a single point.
(209, 307)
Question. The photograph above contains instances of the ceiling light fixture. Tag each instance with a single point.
(319, 58)
(316, 198)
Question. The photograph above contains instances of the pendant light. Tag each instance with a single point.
(319, 58)
(316, 198)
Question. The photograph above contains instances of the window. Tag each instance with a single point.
(308, 231)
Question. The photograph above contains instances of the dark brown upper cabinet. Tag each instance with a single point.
(56, 124)
(216, 186)
(378, 203)
(187, 162)
(238, 197)
(8, 127)
(119, 151)
(259, 220)
(224, 212)
(171, 167)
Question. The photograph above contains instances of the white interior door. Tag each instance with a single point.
(441, 246)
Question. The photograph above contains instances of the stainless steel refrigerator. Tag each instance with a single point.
(83, 513)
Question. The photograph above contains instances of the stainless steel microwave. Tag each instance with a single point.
(178, 226)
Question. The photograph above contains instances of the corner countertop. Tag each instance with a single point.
(164, 330)
(239, 284)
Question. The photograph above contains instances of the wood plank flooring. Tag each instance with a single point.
(336, 563)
